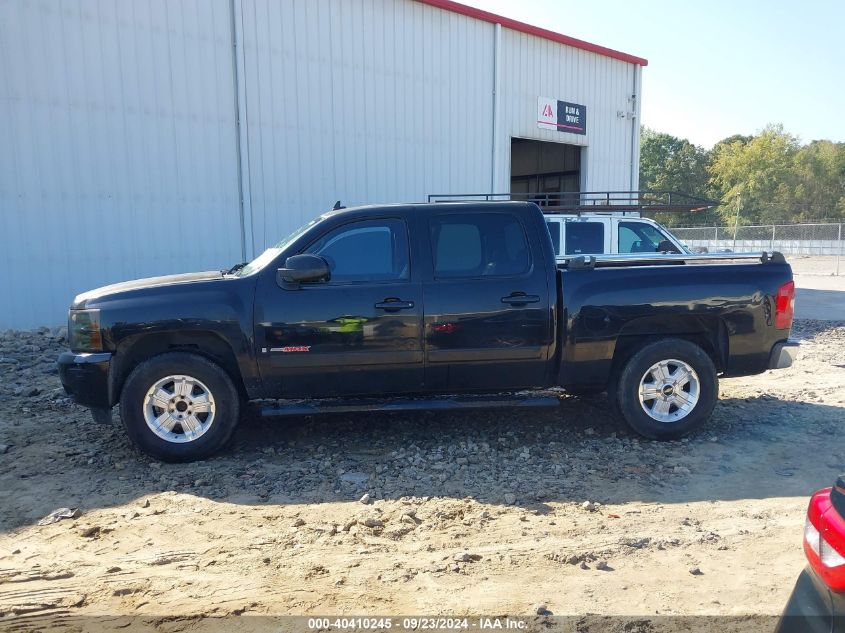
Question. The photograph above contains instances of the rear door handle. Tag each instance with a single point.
(394, 305)
(517, 299)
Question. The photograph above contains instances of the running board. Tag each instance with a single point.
(434, 403)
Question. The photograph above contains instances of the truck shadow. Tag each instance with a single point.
(575, 453)
(753, 448)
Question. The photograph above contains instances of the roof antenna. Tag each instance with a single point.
(337, 206)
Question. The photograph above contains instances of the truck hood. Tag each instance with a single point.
(82, 300)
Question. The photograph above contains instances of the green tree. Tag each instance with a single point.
(769, 177)
(757, 178)
(820, 188)
(669, 163)
(742, 139)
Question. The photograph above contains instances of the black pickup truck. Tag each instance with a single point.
(400, 307)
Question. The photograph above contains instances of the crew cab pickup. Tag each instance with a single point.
(400, 307)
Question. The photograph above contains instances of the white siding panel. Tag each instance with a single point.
(363, 101)
(120, 149)
(118, 158)
(533, 67)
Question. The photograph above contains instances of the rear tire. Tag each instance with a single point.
(179, 407)
(667, 389)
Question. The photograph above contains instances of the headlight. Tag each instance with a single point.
(84, 334)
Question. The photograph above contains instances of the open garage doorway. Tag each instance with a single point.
(544, 167)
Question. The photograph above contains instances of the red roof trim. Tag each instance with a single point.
(522, 27)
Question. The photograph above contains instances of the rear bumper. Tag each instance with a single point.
(85, 377)
(783, 354)
(812, 608)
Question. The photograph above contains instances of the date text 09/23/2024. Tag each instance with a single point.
(416, 623)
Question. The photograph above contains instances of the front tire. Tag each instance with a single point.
(179, 407)
(667, 389)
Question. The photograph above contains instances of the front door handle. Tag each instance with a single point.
(520, 299)
(392, 304)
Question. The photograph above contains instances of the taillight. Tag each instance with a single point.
(824, 540)
(785, 305)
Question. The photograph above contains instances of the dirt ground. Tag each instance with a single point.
(481, 513)
(817, 265)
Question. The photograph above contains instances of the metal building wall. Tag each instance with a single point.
(118, 155)
(369, 101)
(363, 101)
(160, 136)
(531, 67)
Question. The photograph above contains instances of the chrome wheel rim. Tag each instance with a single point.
(179, 408)
(669, 390)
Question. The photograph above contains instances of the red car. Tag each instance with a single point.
(817, 603)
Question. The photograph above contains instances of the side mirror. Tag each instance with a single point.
(303, 269)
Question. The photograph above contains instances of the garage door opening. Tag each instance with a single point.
(545, 168)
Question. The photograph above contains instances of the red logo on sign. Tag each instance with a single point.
(547, 110)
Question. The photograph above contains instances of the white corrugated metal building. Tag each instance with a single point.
(143, 138)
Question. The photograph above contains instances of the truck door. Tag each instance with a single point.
(487, 305)
(360, 333)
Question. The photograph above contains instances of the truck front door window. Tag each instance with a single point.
(639, 237)
(370, 250)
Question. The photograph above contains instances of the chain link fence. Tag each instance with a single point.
(810, 248)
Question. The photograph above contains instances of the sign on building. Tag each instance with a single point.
(562, 116)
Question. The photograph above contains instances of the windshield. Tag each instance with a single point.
(271, 253)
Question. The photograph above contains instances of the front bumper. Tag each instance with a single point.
(85, 377)
(783, 354)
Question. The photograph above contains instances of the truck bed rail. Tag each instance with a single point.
(659, 259)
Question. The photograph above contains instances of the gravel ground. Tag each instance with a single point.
(440, 513)
(822, 265)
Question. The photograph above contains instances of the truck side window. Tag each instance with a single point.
(584, 238)
(554, 231)
(478, 245)
(369, 250)
(639, 237)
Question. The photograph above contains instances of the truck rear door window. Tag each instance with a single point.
(478, 245)
(584, 238)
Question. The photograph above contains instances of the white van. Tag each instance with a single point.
(609, 233)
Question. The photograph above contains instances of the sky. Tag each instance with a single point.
(716, 67)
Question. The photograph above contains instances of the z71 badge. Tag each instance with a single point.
(292, 348)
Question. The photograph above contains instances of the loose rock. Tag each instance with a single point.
(59, 514)
(355, 478)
